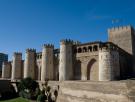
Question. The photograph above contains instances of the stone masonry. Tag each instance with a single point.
(96, 61)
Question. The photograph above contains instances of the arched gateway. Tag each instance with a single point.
(92, 70)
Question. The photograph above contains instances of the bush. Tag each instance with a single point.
(24, 94)
(27, 88)
(41, 98)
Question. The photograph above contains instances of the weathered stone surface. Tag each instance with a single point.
(66, 61)
(6, 70)
(115, 91)
(17, 66)
(95, 61)
(30, 63)
(47, 70)
(109, 68)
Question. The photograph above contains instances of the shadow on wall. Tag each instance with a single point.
(7, 91)
(77, 71)
(89, 69)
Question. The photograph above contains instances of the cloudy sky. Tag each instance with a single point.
(32, 23)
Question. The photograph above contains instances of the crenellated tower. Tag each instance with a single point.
(66, 60)
(16, 72)
(124, 37)
(47, 70)
(109, 68)
(30, 63)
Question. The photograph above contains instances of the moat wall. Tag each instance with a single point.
(115, 91)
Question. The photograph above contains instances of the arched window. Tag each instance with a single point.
(95, 48)
(40, 56)
(79, 50)
(84, 49)
(90, 49)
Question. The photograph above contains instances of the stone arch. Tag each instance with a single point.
(84, 49)
(93, 70)
(90, 48)
(95, 48)
(79, 50)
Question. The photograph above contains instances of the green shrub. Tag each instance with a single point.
(27, 88)
(25, 94)
(41, 98)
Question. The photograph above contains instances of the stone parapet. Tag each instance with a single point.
(119, 28)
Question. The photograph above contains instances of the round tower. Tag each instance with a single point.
(30, 63)
(6, 70)
(47, 70)
(109, 68)
(65, 62)
(16, 66)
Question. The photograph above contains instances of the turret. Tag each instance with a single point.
(30, 63)
(109, 68)
(47, 70)
(16, 66)
(66, 59)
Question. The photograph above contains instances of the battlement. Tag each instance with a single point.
(17, 53)
(30, 50)
(48, 46)
(66, 41)
(120, 28)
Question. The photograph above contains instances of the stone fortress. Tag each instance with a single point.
(96, 61)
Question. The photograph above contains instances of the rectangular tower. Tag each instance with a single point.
(123, 37)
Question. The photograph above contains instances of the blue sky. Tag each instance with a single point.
(31, 23)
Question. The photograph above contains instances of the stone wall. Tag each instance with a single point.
(6, 70)
(16, 66)
(114, 91)
(66, 60)
(30, 63)
(124, 37)
(86, 61)
(86, 66)
(109, 68)
(47, 70)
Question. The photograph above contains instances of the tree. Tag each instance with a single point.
(27, 88)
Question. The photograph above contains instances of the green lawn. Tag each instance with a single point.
(16, 100)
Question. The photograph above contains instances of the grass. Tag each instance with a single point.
(16, 100)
